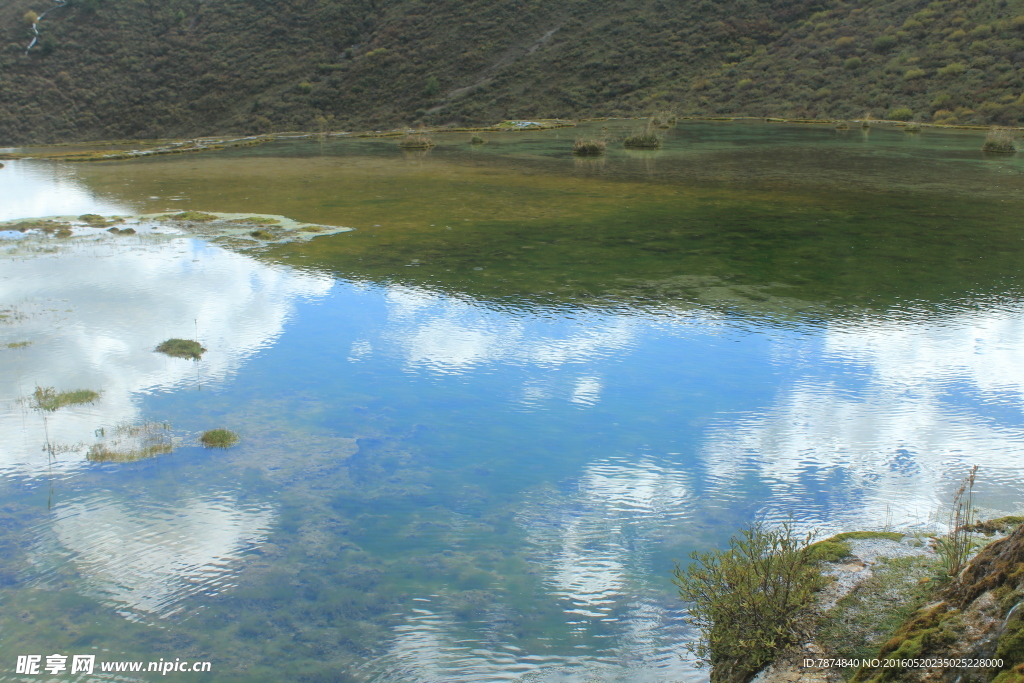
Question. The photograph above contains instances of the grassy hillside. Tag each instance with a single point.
(129, 68)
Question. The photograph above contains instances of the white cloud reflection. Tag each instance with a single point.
(147, 556)
(914, 404)
(94, 311)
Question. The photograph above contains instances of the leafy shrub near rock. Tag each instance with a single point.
(751, 601)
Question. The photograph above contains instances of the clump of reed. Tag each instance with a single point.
(477, 140)
(645, 138)
(256, 220)
(912, 128)
(842, 125)
(181, 348)
(1000, 141)
(49, 399)
(17, 345)
(589, 148)
(218, 438)
(416, 141)
(263, 235)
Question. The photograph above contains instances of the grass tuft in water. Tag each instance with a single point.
(588, 147)
(263, 235)
(17, 345)
(219, 438)
(645, 138)
(182, 348)
(256, 220)
(50, 400)
(1000, 141)
(131, 443)
(477, 140)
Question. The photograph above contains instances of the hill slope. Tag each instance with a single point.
(129, 68)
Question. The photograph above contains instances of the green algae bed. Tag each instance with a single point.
(182, 348)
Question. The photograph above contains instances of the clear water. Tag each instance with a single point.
(477, 430)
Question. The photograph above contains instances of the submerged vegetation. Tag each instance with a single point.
(49, 399)
(182, 348)
(588, 147)
(131, 443)
(218, 438)
(416, 141)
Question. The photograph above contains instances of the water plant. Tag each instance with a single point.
(1000, 141)
(263, 235)
(750, 601)
(647, 137)
(218, 438)
(416, 141)
(957, 546)
(17, 345)
(912, 128)
(588, 147)
(131, 443)
(182, 348)
(842, 125)
(49, 399)
(663, 119)
(477, 140)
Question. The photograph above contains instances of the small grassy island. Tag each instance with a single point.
(1000, 141)
(645, 138)
(182, 348)
(218, 438)
(50, 400)
(589, 147)
(417, 141)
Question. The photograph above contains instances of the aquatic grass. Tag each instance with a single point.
(477, 140)
(263, 235)
(663, 119)
(956, 547)
(416, 141)
(842, 125)
(49, 399)
(181, 348)
(1000, 141)
(588, 147)
(912, 128)
(256, 220)
(218, 438)
(133, 442)
(645, 138)
(17, 345)
(103, 453)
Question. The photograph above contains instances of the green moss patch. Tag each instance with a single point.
(192, 216)
(17, 345)
(219, 438)
(50, 400)
(263, 235)
(182, 348)
(829, 550)
(867, 535)
(998, 525)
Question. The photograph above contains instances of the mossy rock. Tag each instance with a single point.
(998, 525)
(829, 550)
(193, 216)
(218, 438)
(263, 235)
(182, 348)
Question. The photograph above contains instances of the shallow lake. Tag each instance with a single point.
(477, 429)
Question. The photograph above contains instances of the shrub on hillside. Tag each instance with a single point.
(853, 63)
(901, 114)
(884, 43)
(953, 69)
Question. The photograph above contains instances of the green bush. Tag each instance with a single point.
(219, 438)
(749, 602)
(432, 88)
(913, 74)
(953, 69)
(884, 43)
(853, 63)
(901, 114)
